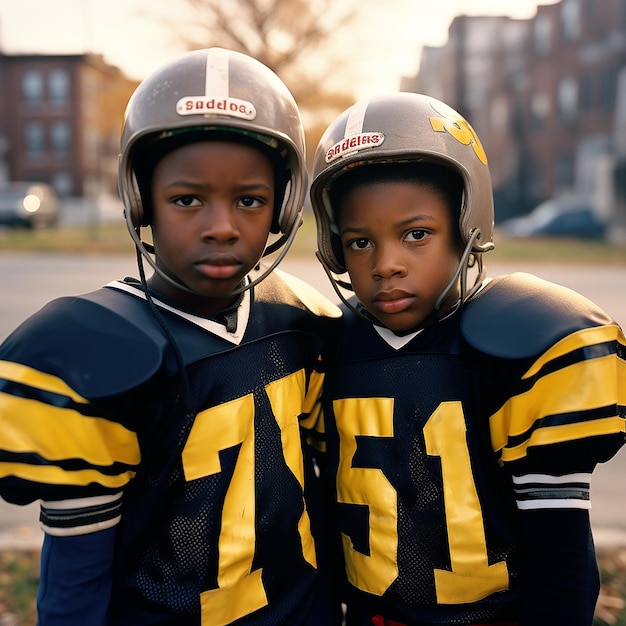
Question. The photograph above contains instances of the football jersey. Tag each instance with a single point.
(202, 470)
(440, 439)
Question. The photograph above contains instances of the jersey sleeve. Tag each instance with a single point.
(62, 436)
(567, 416)
(564, 411)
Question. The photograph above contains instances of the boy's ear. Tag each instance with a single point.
(282, 191)
(335, 242)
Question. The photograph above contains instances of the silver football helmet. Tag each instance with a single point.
(214, 93)
(404, 127)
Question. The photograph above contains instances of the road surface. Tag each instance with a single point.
(29, 280)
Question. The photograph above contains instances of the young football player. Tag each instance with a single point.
(159, 420)
(465, 415)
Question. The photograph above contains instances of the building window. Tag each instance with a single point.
(60, 138)
(59, 88)
(32, 88)
(63, 183)
(570, 20)
(586, 93)
(540, 109)
(567, 97)
(608, 87)
(543, 35)
(500, 113)
(34, 139)
(565, 172)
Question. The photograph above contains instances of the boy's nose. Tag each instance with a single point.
(387, 263)
(219, 223)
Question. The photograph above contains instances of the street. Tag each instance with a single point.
(29, 280)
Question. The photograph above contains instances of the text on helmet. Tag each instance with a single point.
(461, 131)
(206, 105)
(354, 143)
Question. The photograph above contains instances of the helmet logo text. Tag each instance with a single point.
(462, 132)
(205, 105)
(353, 144)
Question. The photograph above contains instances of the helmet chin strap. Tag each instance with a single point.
(146, 250)
(461, 271)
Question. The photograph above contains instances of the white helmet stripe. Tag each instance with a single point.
(354, 123)
(216, 81)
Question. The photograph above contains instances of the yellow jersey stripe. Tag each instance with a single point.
(585, 385)
(16, 372)
(575, 341)
(53, 475)
(566, 432)
(60, 433)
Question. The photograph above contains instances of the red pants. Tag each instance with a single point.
(379, 620)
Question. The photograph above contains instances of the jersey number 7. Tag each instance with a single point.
(240, 589)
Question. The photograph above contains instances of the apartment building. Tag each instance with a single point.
(544, 96)
(60, 118)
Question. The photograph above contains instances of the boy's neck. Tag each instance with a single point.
(219, 309)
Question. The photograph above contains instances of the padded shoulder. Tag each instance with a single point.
(299, 293)
(100, 344)
(520, 315)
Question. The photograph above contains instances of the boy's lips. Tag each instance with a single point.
(219, 266)
(394, 301)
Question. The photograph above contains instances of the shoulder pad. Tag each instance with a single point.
(100, 344)
(520, 315)
(283, 288)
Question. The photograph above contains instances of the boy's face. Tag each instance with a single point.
(400, 251)
(212, 211)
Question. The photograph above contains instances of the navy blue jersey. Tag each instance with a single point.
(442, 441)
(201, 472)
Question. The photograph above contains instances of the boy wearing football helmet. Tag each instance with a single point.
(464, 416)
(159, 419)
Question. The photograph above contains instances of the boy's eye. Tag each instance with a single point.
(249, 202)
(186, 201)
(417, 234)
(359, 244)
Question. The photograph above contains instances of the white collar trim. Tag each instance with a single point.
(395, 341)
(215, 328)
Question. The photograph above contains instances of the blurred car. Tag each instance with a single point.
(558, 217)
(28, 204)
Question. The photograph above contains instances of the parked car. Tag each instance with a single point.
(28, 204)
(558, 217)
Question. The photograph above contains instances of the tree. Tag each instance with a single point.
(295, 38)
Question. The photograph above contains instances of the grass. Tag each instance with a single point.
(112, 238)
(19, 578)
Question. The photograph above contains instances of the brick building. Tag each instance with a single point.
(60, 117)
(543, 95)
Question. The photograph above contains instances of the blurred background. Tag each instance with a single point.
(543, 84)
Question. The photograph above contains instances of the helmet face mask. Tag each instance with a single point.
(208, 95)
(403, 127)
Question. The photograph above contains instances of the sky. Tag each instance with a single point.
(383, 46)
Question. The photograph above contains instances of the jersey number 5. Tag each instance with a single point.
(470, 578)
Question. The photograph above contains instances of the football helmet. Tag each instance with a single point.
(403, 127)
(209, 94)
